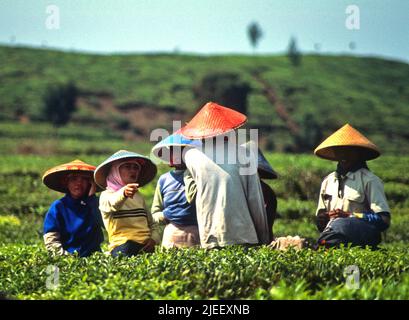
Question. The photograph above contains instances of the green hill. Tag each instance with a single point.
(137, 93)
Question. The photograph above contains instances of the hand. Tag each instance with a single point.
(322, 220)
(149, 245)
(130, 189)
(158, 217)
(338, 213)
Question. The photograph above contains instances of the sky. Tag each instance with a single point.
(379, 28)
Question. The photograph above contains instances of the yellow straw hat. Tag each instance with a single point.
(53, 178)
(347, 139)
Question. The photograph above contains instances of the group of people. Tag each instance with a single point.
(207, 199)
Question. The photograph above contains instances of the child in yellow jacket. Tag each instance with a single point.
(130, 226)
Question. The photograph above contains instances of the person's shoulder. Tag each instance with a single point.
(194, 152)
(59, 202)
(164, 176)
(164, 179)
(105, 193)
(56, 206)
(329, 176)
(369, 176)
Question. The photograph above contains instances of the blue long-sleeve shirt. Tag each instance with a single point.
(78, 222)
(171, 198)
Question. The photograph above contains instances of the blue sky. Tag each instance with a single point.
(209, 26)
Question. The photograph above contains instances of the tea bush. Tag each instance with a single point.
(231, 273)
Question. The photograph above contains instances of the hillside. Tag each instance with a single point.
(29, 149)
(137, 93)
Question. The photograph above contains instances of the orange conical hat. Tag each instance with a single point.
(53, 178)
(213, 120)
(347, 137)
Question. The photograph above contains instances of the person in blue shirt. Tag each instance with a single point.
(73, 223)
(171, 206)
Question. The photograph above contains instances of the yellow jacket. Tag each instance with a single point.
(127, 218)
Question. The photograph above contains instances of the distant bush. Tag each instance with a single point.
(310, 134)
(254, 33)
(225, 88)
(59, 103)
(293, 53)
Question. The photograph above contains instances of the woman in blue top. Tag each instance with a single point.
(170, 204)
(73, 223)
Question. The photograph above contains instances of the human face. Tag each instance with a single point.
(348, 156)
(129, 172)
(176, 159)
(78, 185)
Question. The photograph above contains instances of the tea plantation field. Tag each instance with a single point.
(26, 270)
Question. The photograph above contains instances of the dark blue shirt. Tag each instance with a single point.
(176, 207)
(79, 223)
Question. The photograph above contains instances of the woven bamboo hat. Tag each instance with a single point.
(213, 120)
(54, 177)
(146, 175)
(174, 140)
(347, 139)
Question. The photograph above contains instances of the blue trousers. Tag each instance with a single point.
(128, 249)
(354, 231)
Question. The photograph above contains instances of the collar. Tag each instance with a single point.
(76, 202)
(349, 175)
(343, 174)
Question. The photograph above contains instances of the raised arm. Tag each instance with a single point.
(112, 201)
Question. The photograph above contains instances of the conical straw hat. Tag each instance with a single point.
(347, 138)
(53, 178)
(213, 120)
(148, 168)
